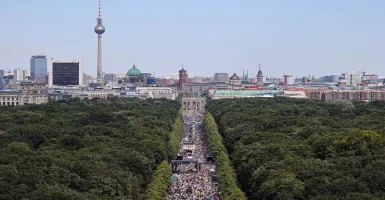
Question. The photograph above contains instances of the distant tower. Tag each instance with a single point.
(259, 77)
(38, 69)
(182, 77)
(245, 77)
(99, 29)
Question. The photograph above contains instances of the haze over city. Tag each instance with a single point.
(286, 37)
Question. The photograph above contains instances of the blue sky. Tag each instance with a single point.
(298, 37)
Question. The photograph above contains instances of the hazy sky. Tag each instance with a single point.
(298, 37)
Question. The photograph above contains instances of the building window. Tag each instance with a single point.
(8, 103)
(17, 103)
(13, 103)
(65, 74)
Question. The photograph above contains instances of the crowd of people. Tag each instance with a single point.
(194, 180)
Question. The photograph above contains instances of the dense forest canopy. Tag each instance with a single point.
(91, 149)
(299, 149)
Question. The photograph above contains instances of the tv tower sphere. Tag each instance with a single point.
(99, 29)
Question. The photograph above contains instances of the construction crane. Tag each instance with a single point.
(362, 84)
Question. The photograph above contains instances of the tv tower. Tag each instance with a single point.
(99, 29)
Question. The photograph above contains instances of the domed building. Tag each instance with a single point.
(235, 80)
(342, 80)
(134, 75)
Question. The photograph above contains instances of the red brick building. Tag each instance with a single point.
(182, 77)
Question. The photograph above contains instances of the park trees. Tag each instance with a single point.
(91, 149)
(300, 149)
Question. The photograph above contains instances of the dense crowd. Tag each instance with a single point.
(195, 180)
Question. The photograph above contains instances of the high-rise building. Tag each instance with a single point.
(19, 74)
(329, 79)
(1, 74)
(182, 77)
(66, 72)
(288, 80)
(353, 78)
(221, 77)
(259, 77)
(99, 29)
(38, 68)
(26, 74)
(145, 76)
(1, 79)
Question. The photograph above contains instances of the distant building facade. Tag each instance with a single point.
(1, 74)
(230, 94)
(88, 79)
(235, 80)
(351, 95)
(151, 81)
(198, 87)
(2, 81)
(353, 78)
(288, 80)
(221, 77)
(370, 78)
(156, 92)
(329, 79)
(91, 95)
(145, 77)
(19, 74)
(38, 69)
(66, 72)
(24, 93)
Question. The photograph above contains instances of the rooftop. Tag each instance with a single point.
(7, 91)
(247, 92)
(134, 71)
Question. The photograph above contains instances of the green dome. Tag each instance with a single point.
(134, 72)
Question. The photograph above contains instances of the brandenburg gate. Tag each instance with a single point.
(193, 103)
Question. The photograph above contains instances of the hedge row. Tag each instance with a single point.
(227, 179)
(176, 136)
(156, 190)
(162, 180)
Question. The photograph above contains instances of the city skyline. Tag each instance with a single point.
(298, 38)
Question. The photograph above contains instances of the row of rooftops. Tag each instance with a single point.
(9, 91)
(247, 92)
